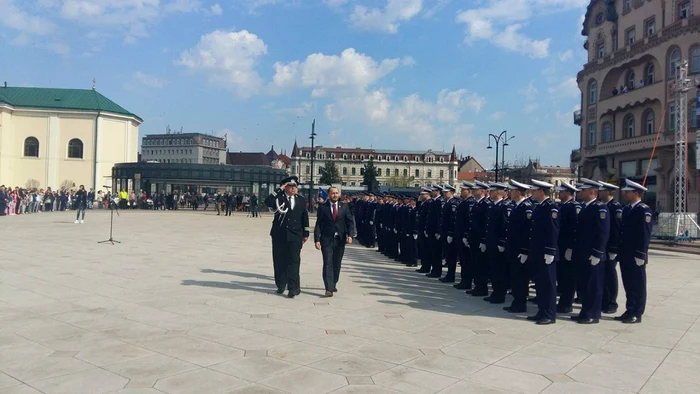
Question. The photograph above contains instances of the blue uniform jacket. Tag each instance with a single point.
(479, 220)
(568, 215)
(448, 217)
(496, 226)
(434, 216)
(615, 209)
(635, 232)
(518, 230)
(592, 232)
(462, 218)
(423, 215)
(544, 232)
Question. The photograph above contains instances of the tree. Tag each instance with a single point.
(32, 184)
(329, 174)
(400, 181)
(369, 178)
(67, 184)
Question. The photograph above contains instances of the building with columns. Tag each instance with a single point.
(394, 167)
(55, 137)
(627, 99)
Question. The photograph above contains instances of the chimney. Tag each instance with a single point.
(5, 83)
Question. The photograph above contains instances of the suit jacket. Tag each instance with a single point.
(635, 232)
(544, 231)
(292, 225)
(592, 232)
(326, 227)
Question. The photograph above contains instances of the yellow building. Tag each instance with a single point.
(63, 137)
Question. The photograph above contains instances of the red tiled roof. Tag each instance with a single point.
(285, 159)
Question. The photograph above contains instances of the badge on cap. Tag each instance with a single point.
(603, 214)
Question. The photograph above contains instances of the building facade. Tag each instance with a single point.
(394, 167)
(627, 97)
(550, 174)
(192, 148)
(63, 137)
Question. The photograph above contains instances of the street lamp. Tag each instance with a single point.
(497, 139)
(503, 154)
(313, 156)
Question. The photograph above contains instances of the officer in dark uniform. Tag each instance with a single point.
(462, 225)
(477, 232)
(610, 283)
(635, 232)
(409, 232)
(448, 235)
(370, 229)
(566, 272)
(543, 252)
(379, 223)
(289, 232)
(494, 244)
(592, 232)
(433, 233)
(423, 245)
(518, 246)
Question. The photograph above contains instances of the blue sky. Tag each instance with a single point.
(403, 74)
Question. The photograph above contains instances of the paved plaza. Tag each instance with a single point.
(187, 304)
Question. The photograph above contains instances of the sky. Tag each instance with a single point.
(387, 74)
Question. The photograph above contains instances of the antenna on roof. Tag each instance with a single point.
(94, 83)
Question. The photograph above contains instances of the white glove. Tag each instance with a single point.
(464, 241)
(371, 222)
(567, 254)
(395, 231)
(482, 248)
(449, 239)
(437, 236)
(425, 233)
(640, 262)
(415, 236)
(548, 259)
(594, 261)
(501, 249)
(523, 258)
(611, 256)
(381, 225)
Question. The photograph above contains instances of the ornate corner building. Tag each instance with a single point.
(627, 93)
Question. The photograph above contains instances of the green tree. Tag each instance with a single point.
(369, 178)
(400, 181)
(330, 174)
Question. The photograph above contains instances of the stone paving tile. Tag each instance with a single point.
(153, 322)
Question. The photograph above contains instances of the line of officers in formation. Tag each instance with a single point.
(511, 234)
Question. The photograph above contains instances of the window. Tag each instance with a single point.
(379, 172)
(631, 36)
(417, 173)
(31, 147)
(695, 60)
(599, 19)
(606, 133)
(694, 115)
(442, 173)
(629, 126)
(674, 61)
(430, 174)
(354, 157)
(684, 10)
(649, 122)
(345, 171)
(442, 160)
(592, 92)
(601, 51)
(650, 27)
(362, 171)
(75, 149)
(353, 171)
(628, 169)
(405, 172)
(405, 158)
(628, 6)
(396, 172)
(307, 170)
(671, 116)
(629, 79)
(362, 157)
(649, 74)
(345, 157)
(614, 40)
(396, 158)
(591, 134)
(416, 158)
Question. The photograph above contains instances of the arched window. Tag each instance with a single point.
(606, 132)
(75, 149)
(649, 122)
(592, 92)
(379, 172)
(31, 147)
(629, 126)
(629, 79)
(649, 74)
(695, 59)
(674, 60)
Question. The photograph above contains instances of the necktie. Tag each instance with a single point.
(335, 212)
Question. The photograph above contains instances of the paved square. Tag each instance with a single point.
(186, 304)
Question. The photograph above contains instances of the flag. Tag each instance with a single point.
(322, 193)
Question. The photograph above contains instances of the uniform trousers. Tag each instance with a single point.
(634, 280)
(424, 253)
(451, 255)
(481, 269)
(610, 285)
(566, 276)
(546, 289)
(519, 281)
(498, 270)
(286, 258)
(332, 253)
(466, 263)
(591, 284)
(435, 255)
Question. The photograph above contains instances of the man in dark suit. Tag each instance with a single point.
(335, 227)
(290, 230)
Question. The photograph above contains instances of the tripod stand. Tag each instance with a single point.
(111, 225)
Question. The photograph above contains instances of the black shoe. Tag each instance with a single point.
(610, 311)
(478, 293)
(621, 317)
(513, 309)
(532, 299)
(632, 320)
(280, 290)
(447, 279)
(545, 322)
(588, 321)
(423, 270)
(461, 286)
(497, 301)
(335, 290)
(293, 294)
(411, 265)
(564, 309)
(433, 275)
(575, 318)
(577, 300)
(535, 317)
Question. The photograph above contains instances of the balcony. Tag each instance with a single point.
(631, 99)
(577, 117)
(575, 156)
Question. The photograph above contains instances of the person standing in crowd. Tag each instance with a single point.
(253, 205)
(610, 282)
(3, 200)
(477, 232)
(518, 247)
(494, 244)
(433, 233)
(635, 233)
(566, 272)
(335, 227)
(80, 204)
(289, 232)
(447, 234)
(462, 225)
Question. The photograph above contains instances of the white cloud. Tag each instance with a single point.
(530, 94)
(15, 18)
(498, 115)
(568, 88)
(227, 58)
(566, 56)
(387, 19)
(437, 7)
(216, 9)
(304, 109)
(150, 81)
(513, 40)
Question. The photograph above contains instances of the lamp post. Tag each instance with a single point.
(313, 157)
(497, 139)
(503, 153)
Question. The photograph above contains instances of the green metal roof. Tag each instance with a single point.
(75, 99)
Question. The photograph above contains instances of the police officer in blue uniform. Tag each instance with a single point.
(566, 273)
(433, 233)
(544, 233)
(423, 244)
(592, 233)
(494, 244)
(477, 232)
(635, 232)
(610, 283)
(518, 246)
(450, 242)
(462, 226)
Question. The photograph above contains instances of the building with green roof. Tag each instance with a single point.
(63, 137)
